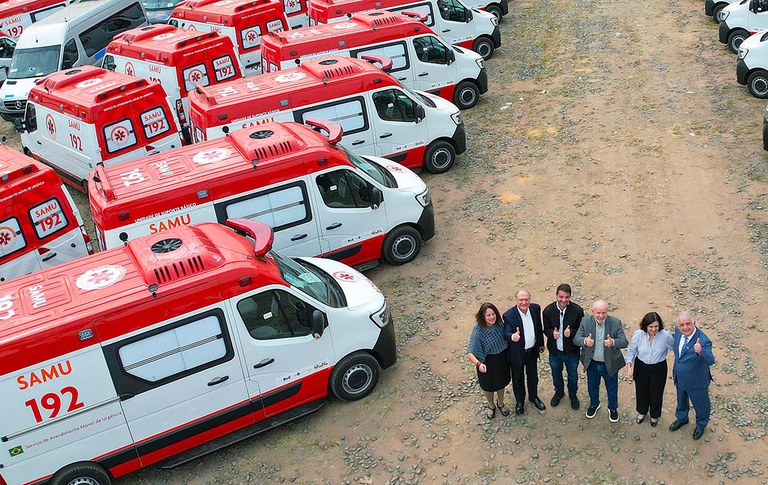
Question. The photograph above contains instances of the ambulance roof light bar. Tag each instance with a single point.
(261, 233)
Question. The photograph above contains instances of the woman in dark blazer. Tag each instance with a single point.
(487, 351)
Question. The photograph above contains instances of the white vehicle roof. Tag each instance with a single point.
(40, 35)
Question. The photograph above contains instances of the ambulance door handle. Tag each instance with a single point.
(298, 236)
(218, 380)
(386, 135)
(358, 142)
(423, 74)
(446, 30)
(402, 78)
(335, 225)
(263, 363)
(39, 142)
(48, 257)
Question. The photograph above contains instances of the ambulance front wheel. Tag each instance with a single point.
(716, 11)
(402, 245)
(484, 47)
(355, 376)
(758, 84)
(84, 473)
(735, 39)
(439, 157)
(466, 95)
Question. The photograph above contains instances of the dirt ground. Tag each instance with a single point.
(616, 152)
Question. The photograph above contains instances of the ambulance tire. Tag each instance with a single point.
(496, 11)
(735, 39)
(83, 473)
(716, 12)
(484, 47)
(466, 95)
(757, 83)
(355, 376)
(401, 245)
(439, 157)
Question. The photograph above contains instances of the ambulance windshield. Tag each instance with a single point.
(376, 172)
(34, 62)
(310, 280)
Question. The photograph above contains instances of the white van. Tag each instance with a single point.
(379, 116)
(174, 346)
(18, 15)
(73, 36)
(740, 20)
(752, 66)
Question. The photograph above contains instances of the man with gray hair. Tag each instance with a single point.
(601, 337)
(693, 357)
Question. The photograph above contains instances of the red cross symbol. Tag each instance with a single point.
(5, 238)
(100, 277)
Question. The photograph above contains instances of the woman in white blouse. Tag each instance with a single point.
(647, 364)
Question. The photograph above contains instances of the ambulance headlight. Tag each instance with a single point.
(724, 15)
(456, 117)
(382, 318)
(480, 63)
(424, 198)
(494, 21)
(743, 52)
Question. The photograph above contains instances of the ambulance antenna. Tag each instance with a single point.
(153, 289)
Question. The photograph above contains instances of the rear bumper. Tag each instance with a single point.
(460, 139)
(742, 71)
(723, 30)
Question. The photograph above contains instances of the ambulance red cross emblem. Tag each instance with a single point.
(50, 126)
(344, 276)
(7, 237)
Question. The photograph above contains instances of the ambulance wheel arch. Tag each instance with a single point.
(496, 10)
(716, 11)
(439, 156)
(757, 83)
(81, 473)
(466, 94)
(401, 245)
(735, 38)
(355, 376)
(484, 46)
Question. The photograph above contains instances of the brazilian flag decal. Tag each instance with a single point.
(16, 450)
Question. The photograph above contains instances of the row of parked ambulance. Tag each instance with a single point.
(204, 145)
(743, 26)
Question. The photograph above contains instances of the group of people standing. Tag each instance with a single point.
(506, 348)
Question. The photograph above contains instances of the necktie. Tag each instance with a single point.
(685, 343)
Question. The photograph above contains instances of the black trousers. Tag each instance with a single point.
(529, 370)
(650, 380)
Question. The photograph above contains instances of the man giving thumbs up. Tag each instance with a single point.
(561, 320)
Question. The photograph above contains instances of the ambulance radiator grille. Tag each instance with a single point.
(179, 269)
(269, 151)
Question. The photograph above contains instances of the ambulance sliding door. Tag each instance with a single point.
(179, 380)
(352, 115)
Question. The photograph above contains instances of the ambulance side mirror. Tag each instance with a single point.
(418, 112)
(468, 13)
(450, 56)
(376, 198)
(318, 324)
(20, 125)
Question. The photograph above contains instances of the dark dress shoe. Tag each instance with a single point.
(556, 399)
(677, 424)
(654, 423)
(574, 402)
(698, 433)
(519, 408)
(539, 404)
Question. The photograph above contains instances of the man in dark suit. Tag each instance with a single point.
(522, 329)
(562, 319)
(601, 337)
(693, 356)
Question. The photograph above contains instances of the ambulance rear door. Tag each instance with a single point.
(287, 208)
(180, 378)
(18, 255)
(53, 217)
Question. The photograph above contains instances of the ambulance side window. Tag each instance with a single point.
(31, 117)
(11, 237)
(397, 52)
(430, 50)
(275, 314)
(223, 68)
(251, 37)
(194, 75)
(169, 353)
(120, 135)
(96, 38)
(452, 10)
(41, 14)
(394, 105)
(349, 113)
(48, 218)
(6, 48)
(425, 7)
(279, 208)
(343, 189)
(70, 54)
(154, 122)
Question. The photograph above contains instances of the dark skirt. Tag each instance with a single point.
(496, 375)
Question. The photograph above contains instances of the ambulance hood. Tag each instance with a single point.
(406, 179)
(754, 41)
(440, 103)
(17, 89)
(360, 292)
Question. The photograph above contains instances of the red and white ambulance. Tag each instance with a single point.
(454, 21)
(174, 346)
(320, 199)
(177, 59)
(17, 15)
(378, 115)
(243, 21)
(420, 59)
(79, 118)
(40, 224)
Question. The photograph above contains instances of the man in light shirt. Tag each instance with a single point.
(601, 337)
(522, 329)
